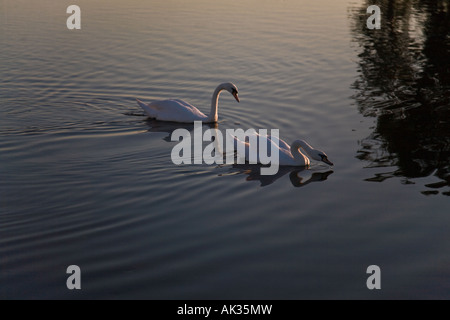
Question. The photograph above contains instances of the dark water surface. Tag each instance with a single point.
(86, 180)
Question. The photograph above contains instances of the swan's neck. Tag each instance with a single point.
(299, 157)
(306, 147)
(213, 115)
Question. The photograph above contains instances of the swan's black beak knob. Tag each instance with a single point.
(235, 95)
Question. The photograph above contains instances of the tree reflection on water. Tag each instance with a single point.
(404, 82)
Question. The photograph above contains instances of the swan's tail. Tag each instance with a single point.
(149, 111)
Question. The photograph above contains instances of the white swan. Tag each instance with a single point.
(181, 111)
(288, 155)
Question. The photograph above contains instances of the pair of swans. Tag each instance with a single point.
(176, 110)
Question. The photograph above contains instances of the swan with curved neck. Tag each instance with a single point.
(177, 110)
(302, 160)
(289, 155)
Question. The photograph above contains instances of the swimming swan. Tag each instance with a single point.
(181, 111)
(288, 155)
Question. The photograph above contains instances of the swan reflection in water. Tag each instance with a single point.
(297, 175)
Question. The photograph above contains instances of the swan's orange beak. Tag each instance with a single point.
(235, 95)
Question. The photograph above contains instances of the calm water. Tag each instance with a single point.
(86, 180)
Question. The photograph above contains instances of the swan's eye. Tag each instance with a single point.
(234, 90)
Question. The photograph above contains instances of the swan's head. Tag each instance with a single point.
(315, 154)
(320, 156)
(231, 88)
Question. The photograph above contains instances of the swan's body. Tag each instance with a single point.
(177, 110)
(289, 155)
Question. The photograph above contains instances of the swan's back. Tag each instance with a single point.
(285, 156)
(173, 110)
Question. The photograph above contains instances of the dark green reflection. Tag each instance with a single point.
(404, 81)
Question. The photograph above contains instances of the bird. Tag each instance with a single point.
(176, 110)
(289, 155)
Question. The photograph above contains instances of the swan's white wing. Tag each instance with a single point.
(282, 144)
(172, 110)
(284, 151)
(285, 157)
